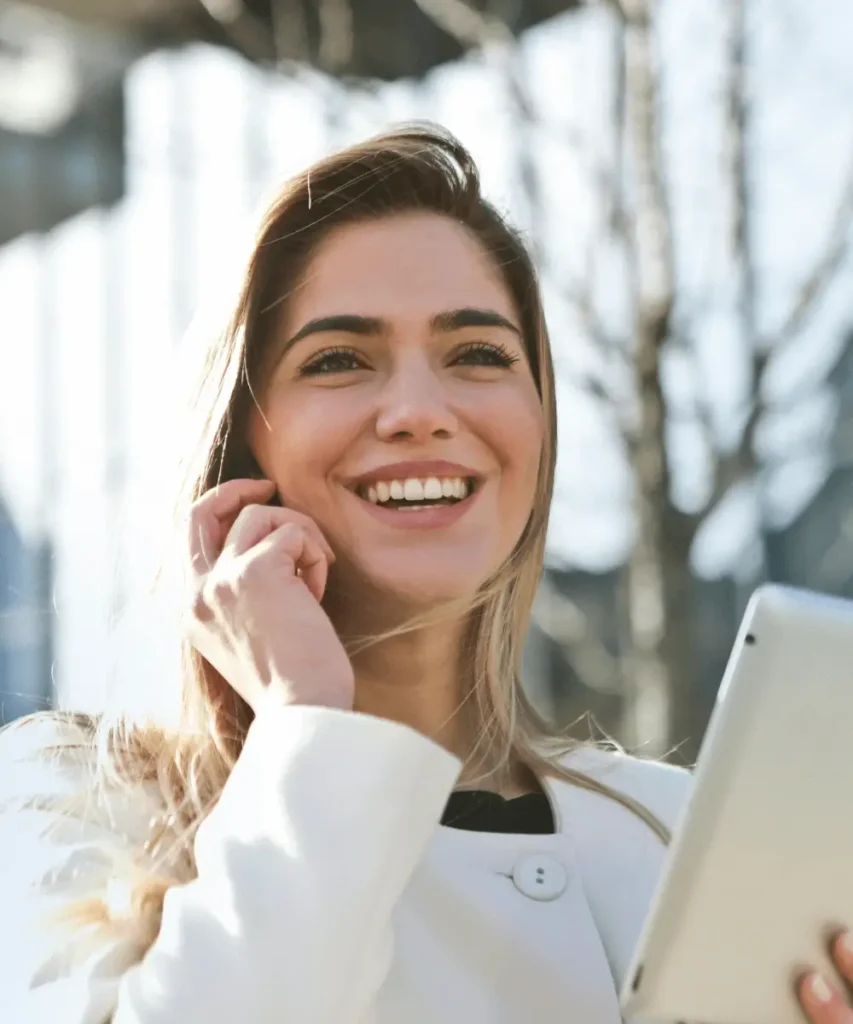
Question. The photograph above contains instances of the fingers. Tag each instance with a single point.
(229, 519)
(842, 951)
(255, 522)
(212, 515)
(821, 999)
(298, 550)
(823, 1002)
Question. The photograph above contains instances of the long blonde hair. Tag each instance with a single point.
(421, 168)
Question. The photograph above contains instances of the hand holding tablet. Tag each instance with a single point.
(758, 885)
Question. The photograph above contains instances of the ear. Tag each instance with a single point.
(256, 473)
(250, 467)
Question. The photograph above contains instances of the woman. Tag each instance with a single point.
(359, 817)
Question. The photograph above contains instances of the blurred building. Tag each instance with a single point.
(26, 628)
(135, 141)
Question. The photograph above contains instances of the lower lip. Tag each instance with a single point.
(420, 518)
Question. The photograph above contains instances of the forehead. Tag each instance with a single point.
(405, 266)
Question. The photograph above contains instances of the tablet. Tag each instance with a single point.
(759, 876)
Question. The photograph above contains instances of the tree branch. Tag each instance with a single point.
(242, 27)
(732, 467)
(336, 33)
(653, 215)
(464, 23)
(579, 298)
(564, 622)
(617, 6)
(739, 464)
(738, 117)
(818, 281)
(653, 702)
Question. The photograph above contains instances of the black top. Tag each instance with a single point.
(481, 811)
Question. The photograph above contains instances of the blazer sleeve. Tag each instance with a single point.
(289, 920)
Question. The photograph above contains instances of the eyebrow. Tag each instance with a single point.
(469, 317)
(367, 326)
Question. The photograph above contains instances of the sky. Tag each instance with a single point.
(108, 307)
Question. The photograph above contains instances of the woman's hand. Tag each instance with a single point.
(259, 575)
(821, 1000)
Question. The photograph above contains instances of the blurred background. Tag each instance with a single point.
(683, 170)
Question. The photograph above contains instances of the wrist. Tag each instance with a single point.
(339, 696)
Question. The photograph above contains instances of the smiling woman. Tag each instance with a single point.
(359, 816)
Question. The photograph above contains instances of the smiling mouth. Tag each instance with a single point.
(413, 494)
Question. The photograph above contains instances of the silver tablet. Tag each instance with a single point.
(760, 874)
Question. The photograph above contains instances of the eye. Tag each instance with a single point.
(333, 360)
(482, 353)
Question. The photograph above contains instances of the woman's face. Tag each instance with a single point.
(401, 413)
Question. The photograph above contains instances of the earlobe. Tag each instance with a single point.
(254, 471)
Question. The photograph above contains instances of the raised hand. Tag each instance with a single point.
(259, 575)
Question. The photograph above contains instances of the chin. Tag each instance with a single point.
(424, 586)
(427, 593)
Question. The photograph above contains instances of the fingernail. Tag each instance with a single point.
(820, 989)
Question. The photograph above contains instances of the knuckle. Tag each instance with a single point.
(289, 531)
(203, 501)
(249, 569)
(246, 514)
(290, 540)
(212, 595)
(299, 519)
(200, 609)
(221, 589)
(253, 569)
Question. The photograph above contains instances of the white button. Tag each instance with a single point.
(540, 877)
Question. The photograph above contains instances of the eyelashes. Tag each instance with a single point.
(333, 360)
(486, 354)
(343, 360)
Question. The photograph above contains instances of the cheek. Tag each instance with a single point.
(516, 435)
(517, 432)
(299, 444)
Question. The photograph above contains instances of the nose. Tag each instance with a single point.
(415, 407)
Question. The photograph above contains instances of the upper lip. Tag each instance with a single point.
(420, 470)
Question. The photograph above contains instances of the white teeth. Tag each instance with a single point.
(413, 490)
(417, 491)
(432, 488)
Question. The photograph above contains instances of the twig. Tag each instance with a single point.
(617, 6)
(818, 281)
(564, 622)
(737, 465)
(653, 219)
(336, 33)
(464, 23)
(289, 30)
(580, 300)
(243, 28)
(732, 467)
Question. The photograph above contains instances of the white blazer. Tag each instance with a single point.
(328, 892)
